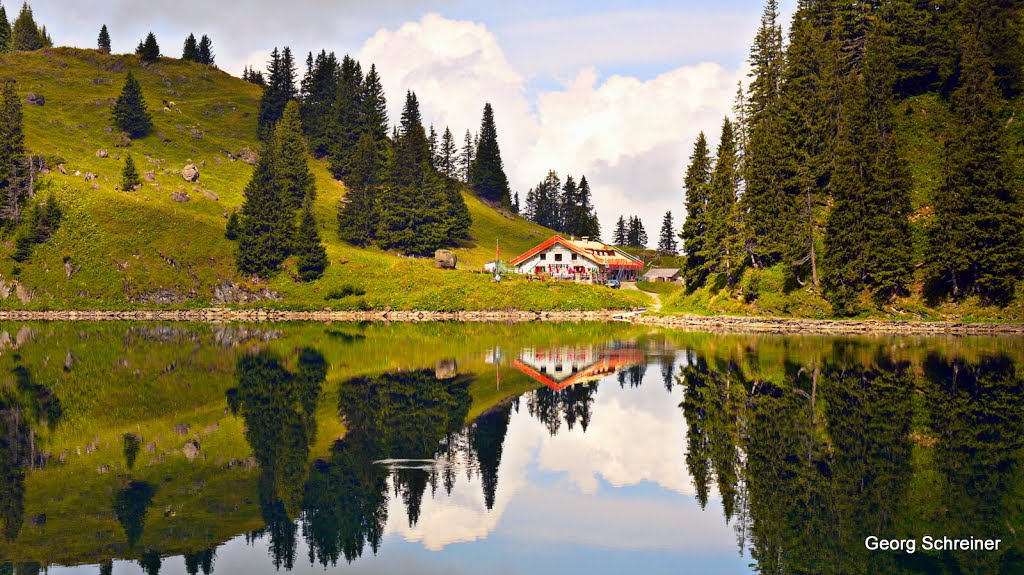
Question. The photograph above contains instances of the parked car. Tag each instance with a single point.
(612, 283)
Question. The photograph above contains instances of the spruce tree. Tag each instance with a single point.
(311, 256)
(766, 63)
(319, 87)
(25, 34)
(694, 234)
(374, 117)
(568, 208)
(129, 175)
(636, 236)
(5, 30)
(205, 51)
(975, 238)
(148, 50)
(103, 42)
(358, 210)
(190, 52)
(446, 155)
(232, 228)
(280, 89)
(487, 173)
(130, 113)
(544, 202)
(12, 151)
(515, 203)
(619, 235)
(667, 237)
(867, 239)
(433, 148)
(348, 110)
(722, 243)
(589, 225)
(265, 222)
(466, 157)
(294, 180)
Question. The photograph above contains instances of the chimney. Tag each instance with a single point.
(585, 238)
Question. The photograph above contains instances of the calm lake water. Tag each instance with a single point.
(540, 448)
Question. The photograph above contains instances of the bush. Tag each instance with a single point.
(344, 292)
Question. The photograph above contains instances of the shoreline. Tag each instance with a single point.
(726, 324)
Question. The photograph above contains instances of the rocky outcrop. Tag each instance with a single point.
(233, 293)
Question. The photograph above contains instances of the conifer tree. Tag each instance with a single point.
(515, 203)
(487, 173)
(568, 221)
(694, 234)
(12, 151)
(636, 236)
(446, 155)
(293, 178)
(347, 116)
(130, 113)
(103, 42)
(148, 50)
(280, 89)
(232, 228)
(265, 222)
(129, 175)
(543, 202)
(456, 213)
(589, 225)
(25, 34)
(433, 147)
(190, 52)
(5, 30)
(975, 239)
(619, 235)
(358, 210)
(311, 256)
(667, 237)
(205, 52)
(867, 239)
(253, 76)
(722, 243)
(466, 157)
(374, 117)
(319, 87)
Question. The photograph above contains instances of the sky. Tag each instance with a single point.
(616, 91)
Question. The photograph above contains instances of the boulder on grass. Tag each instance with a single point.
(445, 259)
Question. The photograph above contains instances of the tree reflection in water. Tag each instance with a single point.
(811, 465)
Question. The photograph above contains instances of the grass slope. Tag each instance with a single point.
(142, 249)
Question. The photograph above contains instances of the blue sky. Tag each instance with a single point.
(617, 91)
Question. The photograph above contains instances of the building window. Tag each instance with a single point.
(558, 257)
(574, 257)
(543, 256)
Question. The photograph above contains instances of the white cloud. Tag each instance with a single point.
(630, 137)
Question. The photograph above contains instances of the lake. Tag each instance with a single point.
(522, 448)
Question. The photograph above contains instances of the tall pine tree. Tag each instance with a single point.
(310, 255)
(358, 211)
(867, 239)
(667, 236)
(5, 30)
(619, 235)
(487, 172)
(13, 193)
(102, 42)
(695, 226)
(129, 175)
(974, 241)
(319, 88)
(722, 243)
(265, 222)
(148, 50)
(348, 112)
(205, 53)
(25, 34)
(280, 89)
(190, 52)
(293, 178)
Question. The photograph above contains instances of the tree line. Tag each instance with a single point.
(566, 208)
(403, 185)
(812, 176)
(24, 34)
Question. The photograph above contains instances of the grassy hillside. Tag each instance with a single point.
(922, 122)
(143, 249)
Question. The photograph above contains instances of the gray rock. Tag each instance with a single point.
(182, 428)
(190, 173)
(101, 153)
(446, 368)
(191, 450)
(36, 99)
(180, 197)
(445, 259)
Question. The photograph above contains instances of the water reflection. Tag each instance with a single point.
(416, 448)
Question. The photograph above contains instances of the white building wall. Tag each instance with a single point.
(550, 258)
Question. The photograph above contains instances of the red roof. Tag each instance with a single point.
(609, 364)
(611, 257)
